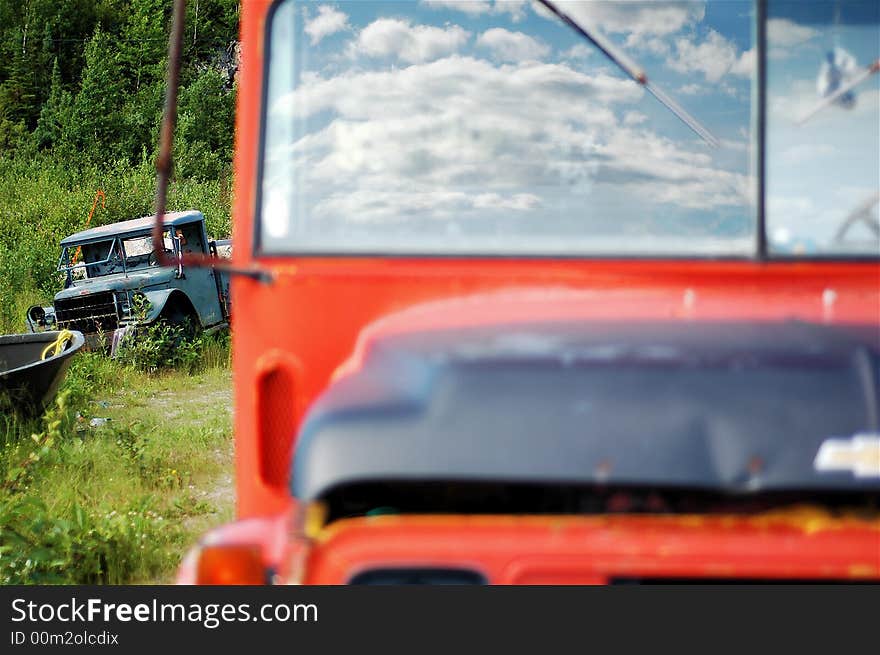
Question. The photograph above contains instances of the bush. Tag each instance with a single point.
(39, 547)
(160, 345)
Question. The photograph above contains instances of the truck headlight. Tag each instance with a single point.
(37, 315)
(41, 318)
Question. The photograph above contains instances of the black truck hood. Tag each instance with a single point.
(727, 407)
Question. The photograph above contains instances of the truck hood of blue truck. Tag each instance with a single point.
(131, 281)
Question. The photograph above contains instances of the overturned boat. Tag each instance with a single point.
(32, 367)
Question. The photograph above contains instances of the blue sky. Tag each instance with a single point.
(480, 126)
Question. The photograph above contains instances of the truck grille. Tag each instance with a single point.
(91, 313)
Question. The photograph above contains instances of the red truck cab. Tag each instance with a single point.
(530, 321)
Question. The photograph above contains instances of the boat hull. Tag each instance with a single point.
(28, 383)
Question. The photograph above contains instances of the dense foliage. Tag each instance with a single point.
(85, 79)
(81, 92)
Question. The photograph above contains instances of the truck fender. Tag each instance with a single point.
(157, 299)
(169, 299)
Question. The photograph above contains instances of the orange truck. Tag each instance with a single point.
(546, 293)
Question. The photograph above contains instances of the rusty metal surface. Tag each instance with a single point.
(164, 162)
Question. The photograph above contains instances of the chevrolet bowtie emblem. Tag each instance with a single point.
(859, 455)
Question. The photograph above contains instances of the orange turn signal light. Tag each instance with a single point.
(231, 564)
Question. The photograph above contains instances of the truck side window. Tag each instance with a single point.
(191, 240)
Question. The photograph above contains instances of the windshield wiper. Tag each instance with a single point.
(634, 71)
(829, 100)
(862, 213)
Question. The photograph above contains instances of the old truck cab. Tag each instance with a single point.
(555, 293)
(112, 279)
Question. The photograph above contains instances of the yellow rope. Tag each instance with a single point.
(57, 346)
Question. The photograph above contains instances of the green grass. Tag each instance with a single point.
(119, 502)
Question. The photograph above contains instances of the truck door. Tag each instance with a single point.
(199, 282)
(222, 249)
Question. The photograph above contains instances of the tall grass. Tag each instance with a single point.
(114, 504)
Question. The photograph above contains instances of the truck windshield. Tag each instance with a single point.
(90, 259)
(823, 129)
(440, 127)
(139, 250)
(105, 257)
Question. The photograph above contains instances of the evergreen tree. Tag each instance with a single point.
(205, 126)
(56, 113)
(96, 128)
(84, 80)
(143, 43)
(18, 92)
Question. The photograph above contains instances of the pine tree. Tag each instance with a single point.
(56, 113)
(97, 127)
(18, 93)
(144, 42)
(205, 126)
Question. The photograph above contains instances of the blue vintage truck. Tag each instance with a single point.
(113, 280)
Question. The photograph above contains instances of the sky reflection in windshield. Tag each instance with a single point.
(490, 127)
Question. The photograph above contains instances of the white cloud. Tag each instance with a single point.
(644, 163)
(785, 33)
(452, 82)
(784, 37)
(578, 51)
(738, 146)
(461, 138)
(655, 45)
(634, 118)
(392, 37)
(516, 202)
(512, 46)
(745, 65)
(328, 21)
(691, 90)
(636, 18)
(515, 8)
(714, 57)
(472, 7)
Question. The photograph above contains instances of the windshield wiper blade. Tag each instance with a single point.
(843, 90)
(862, 213)
(634, 71)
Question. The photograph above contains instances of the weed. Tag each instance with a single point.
(160, 345)
(18, 474)
(163, 345)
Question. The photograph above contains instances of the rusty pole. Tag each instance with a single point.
(164, 161)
